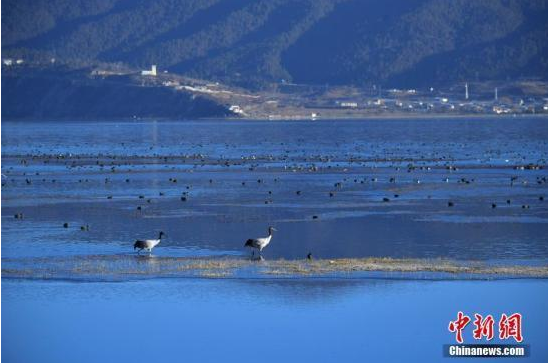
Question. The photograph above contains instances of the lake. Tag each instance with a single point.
(459, 189)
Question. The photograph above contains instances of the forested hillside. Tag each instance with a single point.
(59, 93)
(256, 42)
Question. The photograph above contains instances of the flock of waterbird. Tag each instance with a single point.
(116, 164)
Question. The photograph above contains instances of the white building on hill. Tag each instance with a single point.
(152, 71)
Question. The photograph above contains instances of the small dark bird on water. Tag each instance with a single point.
(147, 244)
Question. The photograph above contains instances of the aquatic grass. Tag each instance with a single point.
(215, 274)
(106, 266)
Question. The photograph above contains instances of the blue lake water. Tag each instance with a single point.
(321, 184)
(173, 320)
(210, 185)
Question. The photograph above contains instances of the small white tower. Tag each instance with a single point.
(496, 94)
(466, 90)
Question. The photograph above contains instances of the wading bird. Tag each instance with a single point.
(260, 243)
(147, 244)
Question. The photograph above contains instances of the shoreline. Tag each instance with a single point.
(392, 117)
(292, 118)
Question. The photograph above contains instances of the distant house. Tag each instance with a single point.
(171, 83)
(152, 71)
(8, 61)
(237, 110)
(501, 109)
(19, 61)
(349, 104)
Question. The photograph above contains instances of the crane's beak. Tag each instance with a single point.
(274, 229)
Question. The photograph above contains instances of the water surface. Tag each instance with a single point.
(452, 189)
(173, 320)
(322, 184)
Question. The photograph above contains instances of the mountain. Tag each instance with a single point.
(254, 43)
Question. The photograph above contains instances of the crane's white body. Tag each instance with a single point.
(260, 243)
(147, 244)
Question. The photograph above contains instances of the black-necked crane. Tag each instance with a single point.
(260, 243)
(147, 244)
